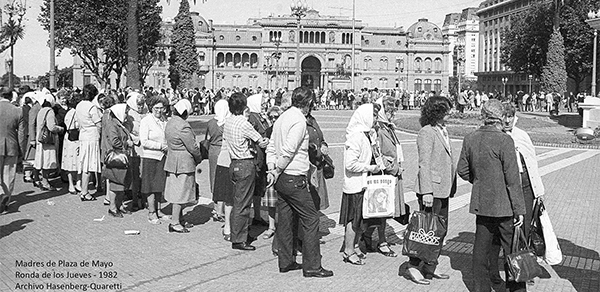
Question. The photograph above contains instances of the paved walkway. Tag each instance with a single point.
(76, 244)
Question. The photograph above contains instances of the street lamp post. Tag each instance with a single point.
(299, 10)
(594, 21)
(277, 42)
(504, 80)
(530, 77)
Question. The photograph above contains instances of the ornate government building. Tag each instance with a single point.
(266, 51)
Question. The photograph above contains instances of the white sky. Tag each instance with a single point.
(32, 53)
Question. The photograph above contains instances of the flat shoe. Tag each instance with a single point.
(348, 259)
(269, 233)
(177, 230)
(85, 198)
(115, 214)
(389, 253)
(320, 273)
(410, 276)
(106, 202)
(154, 221)
(291, 267)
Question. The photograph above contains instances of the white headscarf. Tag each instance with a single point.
(38, 97)
(132, 100)
(120, 111)
(183, 105)
(221, 112)
(254, 103)
(361, 120)
(49, 98)
(31, 95)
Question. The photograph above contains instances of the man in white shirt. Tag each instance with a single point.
(287, 160)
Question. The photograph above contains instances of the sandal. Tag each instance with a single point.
(348, 259)
(153, 218)
(86, 197)
(359, 252)
(269, 233)
(163, 216)
(389, 253)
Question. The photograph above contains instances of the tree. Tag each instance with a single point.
(149, 31)
(173, 74)
(525, 42)
(184, 45)
(133, 72)
(13, 29)
(96, 33)
(4, 80)
(554, 74)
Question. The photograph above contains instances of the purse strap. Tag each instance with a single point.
(71, 123)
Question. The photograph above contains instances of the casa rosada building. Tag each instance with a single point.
(264, 53)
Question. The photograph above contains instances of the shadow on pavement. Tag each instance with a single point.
(199, 215)
(568, 120)
(581, 266)
(460, 251)
(8, 229)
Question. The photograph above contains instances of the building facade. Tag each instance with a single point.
(462, 31)
(266, 51)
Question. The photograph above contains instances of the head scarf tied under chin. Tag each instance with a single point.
(361, 120)
(254, 103)
(120, 111)
(221, 112)
(182, 106)
(132, 100)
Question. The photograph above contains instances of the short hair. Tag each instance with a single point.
(89, 92)
(107, 101)
(286, 100)
(275, 109)
(434, 110)
(73, 99)
(156, 99)
(237, 103)
(389, 103)
(509, 109)
(302, 97)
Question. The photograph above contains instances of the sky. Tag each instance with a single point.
(32, 54)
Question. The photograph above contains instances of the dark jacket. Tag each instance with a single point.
(488, 161)
(114, 137)
(12, 129)
(315, 141)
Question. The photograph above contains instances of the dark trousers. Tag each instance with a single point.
(295, 200)
(487, 230)
(440, 207)
(242, 173)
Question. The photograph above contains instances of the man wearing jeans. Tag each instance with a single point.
(12, 127)
(488, 161)
(236, 133)
(287, 160)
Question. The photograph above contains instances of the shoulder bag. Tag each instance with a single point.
(204, 146)
(522, 262)
(117, 158)
(536, 235)
(45, 136)
(72, 134)
(328, 167)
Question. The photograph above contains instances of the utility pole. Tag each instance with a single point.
(52, 48)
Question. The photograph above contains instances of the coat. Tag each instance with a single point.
(114, 137)
(183, 153)
(436, 173)
(488, 161)
(12, 129)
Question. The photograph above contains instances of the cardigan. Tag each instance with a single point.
(152, 137)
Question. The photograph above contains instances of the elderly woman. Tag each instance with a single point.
(154, 145)
(391, 152)
(270, 198)
(436, 177)
(137, 105)
(258, 120)
(116, 139)
(30, 173)
(214, 135)
(45, 154)
(89, 118)
(358, 155)
(182, 157)
(71, 145)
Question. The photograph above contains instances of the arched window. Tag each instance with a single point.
(437, 86)
(427, 85)
(306, 37)
(437, 65)
(428, 64)
(162, 57)
(367, 62)
(312, 37)
(229, 60)
(367, 82)
(237, 60)
(246, 60)
(383, 82)
(301, 37)
(418, 65)
(322, 37)
(384, 63)
(253, 60)
(418, 85)
(343, 38)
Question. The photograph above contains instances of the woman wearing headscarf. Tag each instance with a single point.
(182, 157)
(214, 135)
(71, 145)
(270, 198)
(45, 154)
(358, 163)
(89, 118)
(154, 144)
(392, 156)
(30, 173)
(260, 122)
(137, 105)
(116, 138)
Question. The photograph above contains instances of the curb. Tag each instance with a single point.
(535, 143)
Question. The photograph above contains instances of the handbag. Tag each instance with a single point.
(522, 262)
(328, 167)
(536, 235)
(116, 159)
(72, 134)
(204, 146)
(424, 236)
(45, 136)
(553, 254)
(379, 197)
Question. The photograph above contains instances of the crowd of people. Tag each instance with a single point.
(270, 152)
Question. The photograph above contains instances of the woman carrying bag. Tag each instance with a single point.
(117, 143)
(47, 130)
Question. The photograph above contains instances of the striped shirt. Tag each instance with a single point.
(236, 133)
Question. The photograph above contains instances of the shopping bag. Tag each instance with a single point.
(424, 236)
(522, 262)
(553, 254)
(536, 235)
(379, 197)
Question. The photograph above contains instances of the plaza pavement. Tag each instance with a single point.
(48, 227)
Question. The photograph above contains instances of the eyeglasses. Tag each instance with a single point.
(273, 117)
